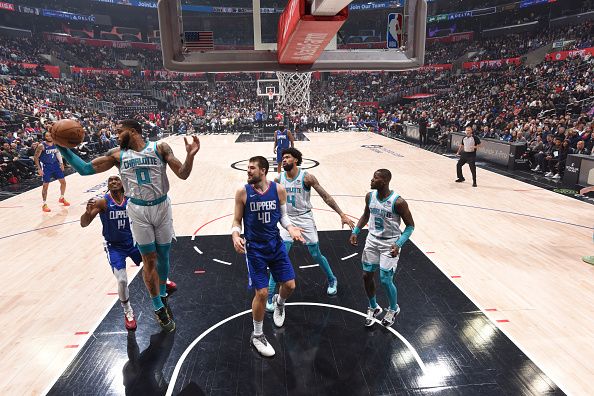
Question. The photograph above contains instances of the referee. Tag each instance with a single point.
(467, 152)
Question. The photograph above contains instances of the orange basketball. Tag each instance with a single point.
(67, 133)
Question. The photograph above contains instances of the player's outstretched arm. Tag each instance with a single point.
(404, 212)
(311, 181)
(94, 207)
(98, 165)
(238, 241)
(285, 221)
(362, 221)
(181, 170)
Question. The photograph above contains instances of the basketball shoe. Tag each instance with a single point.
(166, 304)
(63, 201)
(332, 287)
(371, 314)
(171, 286)
(130, 320)
(261, 344)
(390, 316)
(588, 259)
(45, 208)
(279, 312)
(165, 321)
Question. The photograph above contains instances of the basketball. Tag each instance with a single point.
(67, 133)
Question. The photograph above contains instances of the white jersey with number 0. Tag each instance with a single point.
(144, 173)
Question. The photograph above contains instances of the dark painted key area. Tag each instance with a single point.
(440, 343)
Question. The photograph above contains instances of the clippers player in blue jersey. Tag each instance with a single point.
(143, 169)
(383, 210)
(283, 139)
(118, 239)
(261, 205)
(49, 166)
(119, 243)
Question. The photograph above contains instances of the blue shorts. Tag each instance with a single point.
(116, 255)
(50, 172)
(273, 255)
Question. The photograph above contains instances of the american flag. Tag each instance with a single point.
(199, 41)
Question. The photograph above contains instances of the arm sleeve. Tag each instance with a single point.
(82, 167)
(284, 220)
(405, 235)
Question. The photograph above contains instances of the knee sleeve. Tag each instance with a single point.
(163, 261)
(122, 279)
(386, 277)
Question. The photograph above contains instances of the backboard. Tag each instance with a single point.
(314, 35)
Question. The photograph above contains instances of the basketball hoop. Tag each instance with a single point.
(294, 89)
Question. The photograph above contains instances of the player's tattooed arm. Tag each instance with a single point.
(36, 156)
(108, 161)
(181, 170)
(311, 181)
(94, 207)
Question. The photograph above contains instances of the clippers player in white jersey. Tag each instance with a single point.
(298, 184)
(143, 167)
(383, 210)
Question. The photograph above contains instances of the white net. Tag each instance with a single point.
(294, 89)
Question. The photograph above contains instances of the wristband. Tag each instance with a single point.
(233, 229)
(356, 230)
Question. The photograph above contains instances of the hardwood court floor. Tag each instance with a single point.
(440, 343)
(512, 248)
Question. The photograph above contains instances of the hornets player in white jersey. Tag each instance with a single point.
(298, 184)
(143, 167)
(383, 210)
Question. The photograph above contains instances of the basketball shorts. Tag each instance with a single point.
(151, 224)
(52, 171)
(306, 222)
(377, 254)
(116, 255)
(260, 256)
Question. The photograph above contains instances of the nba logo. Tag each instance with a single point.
(394, 33)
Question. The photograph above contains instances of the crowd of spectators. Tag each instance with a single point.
(30, 50)
(549, 106)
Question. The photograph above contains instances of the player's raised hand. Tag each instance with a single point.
(346, 220)
(193, 146)
(295, 233)
(90, 205)
(239, 244)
